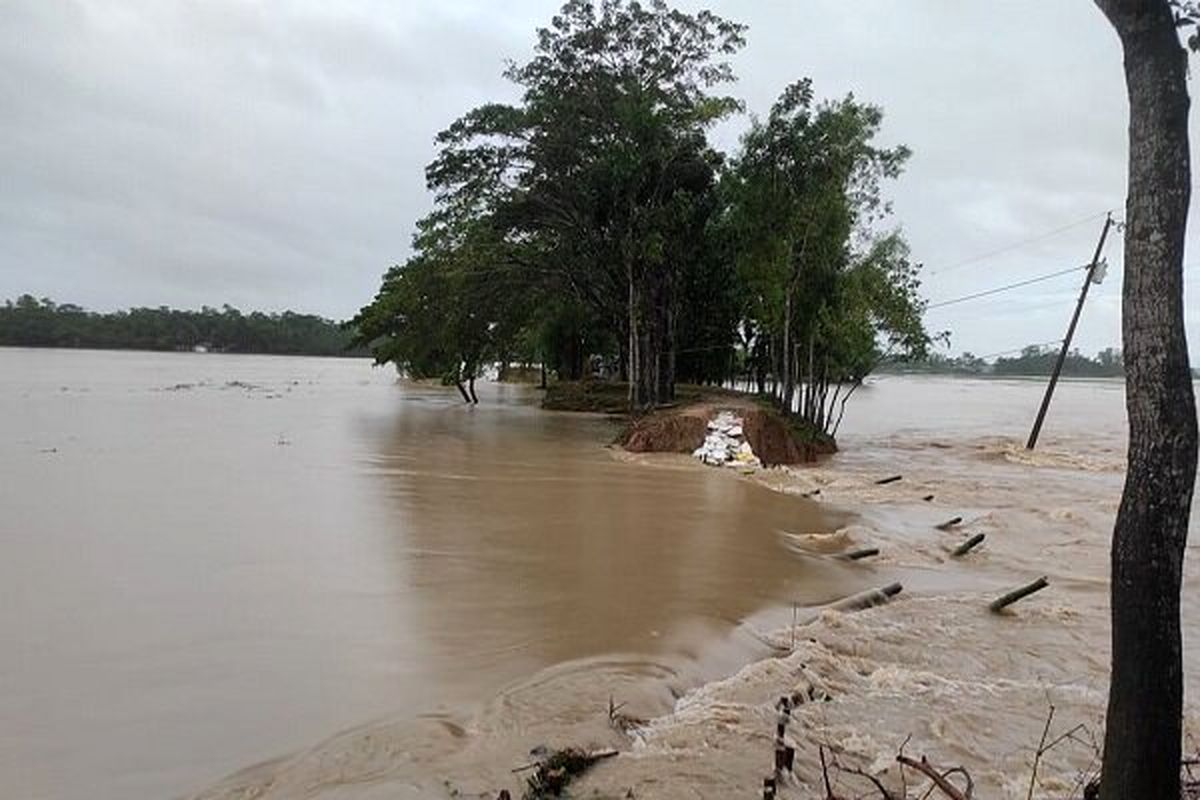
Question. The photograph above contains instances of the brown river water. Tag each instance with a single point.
(352, 587)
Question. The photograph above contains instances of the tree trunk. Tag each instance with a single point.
(787, 374)
(633, 343)
(1143, 727)
(666, 378)
(647, 364)
(463, 391)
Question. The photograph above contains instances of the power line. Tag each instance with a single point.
(1015, 245)
(1039, 345)
(1005, 288)
(999, 353)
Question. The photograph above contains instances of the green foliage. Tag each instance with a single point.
(29, 322)
(592, 223)
(597, 187)
(1039, 360)
(600, 397)
(823, 292)
(447, 312)
(1033, 360)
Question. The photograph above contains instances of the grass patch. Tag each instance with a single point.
(602, 397)
(612, 397)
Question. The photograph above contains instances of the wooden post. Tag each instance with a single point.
(868, 599)
(1066, 345)
(968, 545)
(785, 754)
(856, 555)
(1019, 594)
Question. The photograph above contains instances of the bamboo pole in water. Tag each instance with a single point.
(861, 553)
(968, 545)
(868, 599)
(1019, 594)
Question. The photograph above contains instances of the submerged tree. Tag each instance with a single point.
(1145, 702)
(447, 313)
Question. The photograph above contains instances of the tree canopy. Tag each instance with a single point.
(30, 322)
(592, 226)
(1032, 359)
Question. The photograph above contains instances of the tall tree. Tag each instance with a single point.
(448, 312)
(1145, 701)
(600, 174)
(820, 284)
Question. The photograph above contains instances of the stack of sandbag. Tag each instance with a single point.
(725, 444)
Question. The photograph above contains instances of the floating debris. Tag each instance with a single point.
(557, 769)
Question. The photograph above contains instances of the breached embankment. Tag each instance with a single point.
(772, 439)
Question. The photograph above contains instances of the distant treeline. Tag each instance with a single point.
(1033, 360)
(30, 322)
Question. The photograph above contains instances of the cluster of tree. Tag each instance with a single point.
(29, 322)
(593, 223)
(1033, 360)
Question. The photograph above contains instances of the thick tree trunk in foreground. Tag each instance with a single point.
(1145, 701)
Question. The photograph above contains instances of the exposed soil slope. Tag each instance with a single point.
(774, 439)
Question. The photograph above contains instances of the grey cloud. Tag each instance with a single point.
(270, 154)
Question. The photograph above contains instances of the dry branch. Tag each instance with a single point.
(940, 779)
(556, 771)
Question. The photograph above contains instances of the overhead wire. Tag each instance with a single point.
(986, 292)
(1017, 245)
(1006, 287)
(1039, 345)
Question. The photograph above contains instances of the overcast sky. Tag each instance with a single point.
(270, 154)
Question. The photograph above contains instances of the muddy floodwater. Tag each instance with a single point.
(322, 581)
(207, 561)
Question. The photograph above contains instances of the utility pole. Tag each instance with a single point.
(1066, 345)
